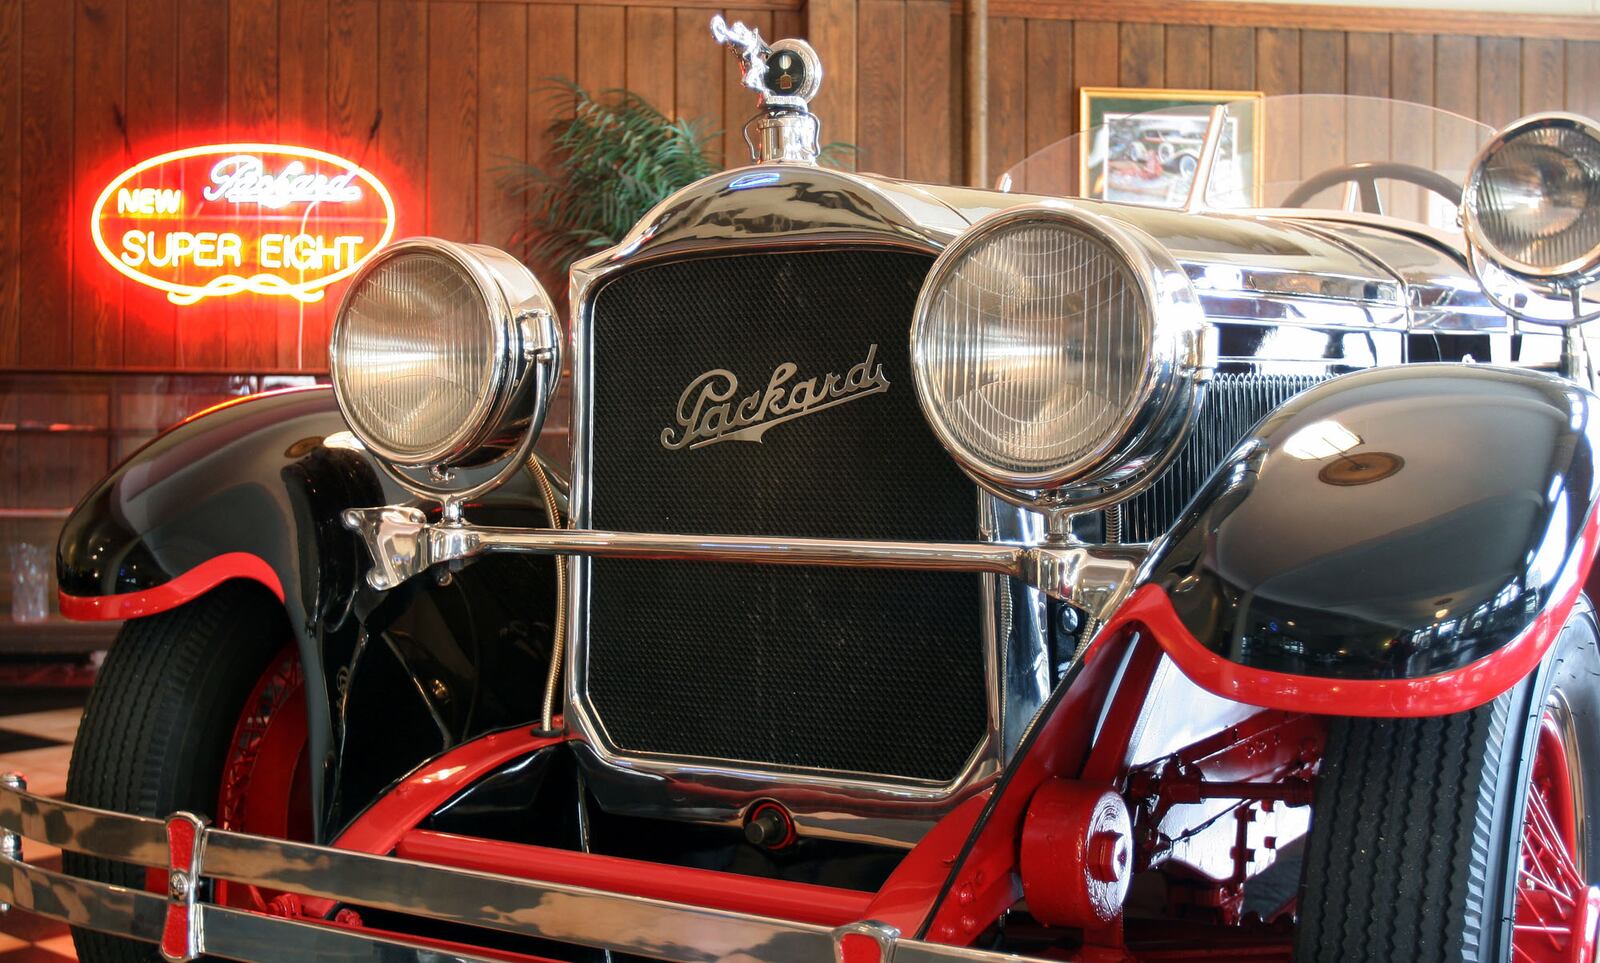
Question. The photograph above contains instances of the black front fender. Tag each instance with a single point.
(1407, 526)
(254, 489)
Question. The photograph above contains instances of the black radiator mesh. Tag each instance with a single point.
(852, 670)
(1233, 403)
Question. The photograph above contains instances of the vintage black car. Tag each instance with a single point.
(940, 574)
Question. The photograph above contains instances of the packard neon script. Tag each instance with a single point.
(228, 219)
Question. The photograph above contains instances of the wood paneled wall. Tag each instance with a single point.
(438, 96)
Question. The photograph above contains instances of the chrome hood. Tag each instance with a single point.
(1288, 266)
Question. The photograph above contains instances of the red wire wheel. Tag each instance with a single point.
(1557, 912)
(266, 777)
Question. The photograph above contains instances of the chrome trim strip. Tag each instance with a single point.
(676, 932)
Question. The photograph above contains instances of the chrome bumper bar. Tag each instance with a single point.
(185, 926)
(404, 544)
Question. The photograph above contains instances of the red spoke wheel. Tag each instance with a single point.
(266, 777)
(1557, 912)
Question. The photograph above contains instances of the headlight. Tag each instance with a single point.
(1532, 200)
(1053, 349)
(442, 354)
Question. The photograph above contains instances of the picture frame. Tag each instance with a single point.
(1153, 159)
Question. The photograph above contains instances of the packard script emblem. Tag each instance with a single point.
(707, 412)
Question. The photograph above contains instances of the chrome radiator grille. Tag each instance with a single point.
(1233, 403)
(840, 670)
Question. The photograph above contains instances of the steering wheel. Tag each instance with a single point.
(1366, 176)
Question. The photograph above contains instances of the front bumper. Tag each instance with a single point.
(184, 925)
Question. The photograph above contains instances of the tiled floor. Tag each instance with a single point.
(36, 732)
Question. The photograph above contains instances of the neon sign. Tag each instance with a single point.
(228, 219)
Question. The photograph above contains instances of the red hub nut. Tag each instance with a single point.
(1077, 854)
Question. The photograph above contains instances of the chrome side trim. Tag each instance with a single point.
(675, 932)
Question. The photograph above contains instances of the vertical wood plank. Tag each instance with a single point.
(649, 66)
(1141, 55)
(1455, 84)
(1369, 64)
(46, 209)
(1322, 125)
(1499, 79)
(202, 335)
(552, 53)
(1583, 77)
(880, 103)
(1411, 80)
(99, 61)
(502, 117)
(1278, 72)
(252, 116)
(1094, 58)
(1188, 53)
(602, 33)
(1008, 90)
(831, 28)
(150, 321)
(791, 23)
(929, 134)
(10, 182)
(738, 101)
(453, 120)
(1233, 58)
(1411, 67)
(1455, 88)
(302, 118)
(1050, 101)
(1322, 62)
(1278, 61)
(353, 85)
(403, 98)
(1544, 75)
(701, 67)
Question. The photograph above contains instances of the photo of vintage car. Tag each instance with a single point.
(939, 574)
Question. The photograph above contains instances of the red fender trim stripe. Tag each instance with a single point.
(1455, 691)
(190, 585)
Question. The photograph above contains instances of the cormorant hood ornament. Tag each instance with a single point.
(786, 74)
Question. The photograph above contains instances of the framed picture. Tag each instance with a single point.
(1144, 158)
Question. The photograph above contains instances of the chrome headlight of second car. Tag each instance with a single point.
(442, 359)
(1532, 200)
(1057, 356)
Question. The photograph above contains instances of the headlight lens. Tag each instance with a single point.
(1043, 345)
(1532, 202)
(433, 349)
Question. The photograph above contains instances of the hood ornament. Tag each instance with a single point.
(786, 74)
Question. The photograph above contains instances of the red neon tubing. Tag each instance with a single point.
(168, 595)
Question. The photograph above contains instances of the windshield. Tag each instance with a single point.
(1325, 151)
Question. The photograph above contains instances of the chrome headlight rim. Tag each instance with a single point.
(1150, 429)
(1574, 272)
(507, 416)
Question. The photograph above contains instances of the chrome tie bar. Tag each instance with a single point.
(404, 544)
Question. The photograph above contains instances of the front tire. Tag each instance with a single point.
(1433, 839)
(161, 721)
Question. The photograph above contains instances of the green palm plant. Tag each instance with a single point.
(615, 158)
